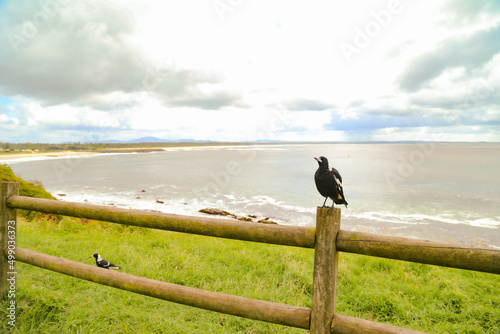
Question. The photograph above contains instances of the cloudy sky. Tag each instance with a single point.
(238, 70)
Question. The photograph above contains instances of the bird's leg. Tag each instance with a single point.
(324, 202)
(331, 208)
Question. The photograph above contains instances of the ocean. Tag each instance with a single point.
(435, 191)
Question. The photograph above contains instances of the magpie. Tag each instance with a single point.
(329, 183)
(100, 262)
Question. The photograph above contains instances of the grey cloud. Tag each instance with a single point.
(464, 11)
(477, 98)
(81, 52)
(471, 53)
(389, 111)
(70, 56)
(212, 101)
(184, 88)
(376, 119)
(367, 122)
(431, 100)
(307, 105)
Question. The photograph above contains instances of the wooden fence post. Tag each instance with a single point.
(325, 270)
(8, 221)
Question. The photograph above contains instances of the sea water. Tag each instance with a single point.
(436, 191)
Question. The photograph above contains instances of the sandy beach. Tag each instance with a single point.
(8, 156)
(34, 154)
(4, 155)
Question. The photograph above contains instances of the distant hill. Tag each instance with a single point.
(152, 140)
(147, 140)
(182, 140)
(138, 140)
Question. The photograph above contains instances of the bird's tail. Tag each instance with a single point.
(342, 198)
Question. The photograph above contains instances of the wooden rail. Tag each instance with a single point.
(293, 316)
(420, 251)
(224, 228)
(406, 249)
(327, 239)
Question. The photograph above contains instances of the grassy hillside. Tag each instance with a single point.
(422, 297)
(25, 188)
(28, 189)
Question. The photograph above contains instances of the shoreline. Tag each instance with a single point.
(124, 150)
(32, 154)
(13, 156)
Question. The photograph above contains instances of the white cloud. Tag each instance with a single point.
(8, 123)
(64, 116)
(180, 70)
(449, 134)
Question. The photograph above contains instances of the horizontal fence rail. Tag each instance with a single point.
(343, 324)
(293, 316)
(223, 228)
(420, 251)
(405, 249)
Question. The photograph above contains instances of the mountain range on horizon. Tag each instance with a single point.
(150, 139)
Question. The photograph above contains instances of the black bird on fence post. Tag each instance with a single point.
(329, 183)
(100, 262)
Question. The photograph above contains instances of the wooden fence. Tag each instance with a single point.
(327, 239)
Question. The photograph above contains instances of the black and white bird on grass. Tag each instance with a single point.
(100, 262)
(329, 183)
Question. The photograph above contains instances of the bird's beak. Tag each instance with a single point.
(317, 159)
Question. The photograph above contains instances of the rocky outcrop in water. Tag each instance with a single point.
(249, 218)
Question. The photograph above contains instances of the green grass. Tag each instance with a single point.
(28, 189)
(25, 188)
(426, 298)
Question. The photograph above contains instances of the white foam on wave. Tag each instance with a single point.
(485, 222)
(178, 206)
(267, 200)
(422, 219)
(260, 206)
(388, 217)
(23, 159)
(264, 206)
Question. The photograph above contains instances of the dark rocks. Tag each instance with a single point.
(212, 211)
(266, 221)
(249, 218)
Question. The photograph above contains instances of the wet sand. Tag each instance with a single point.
(33, 154)
(8, 156)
